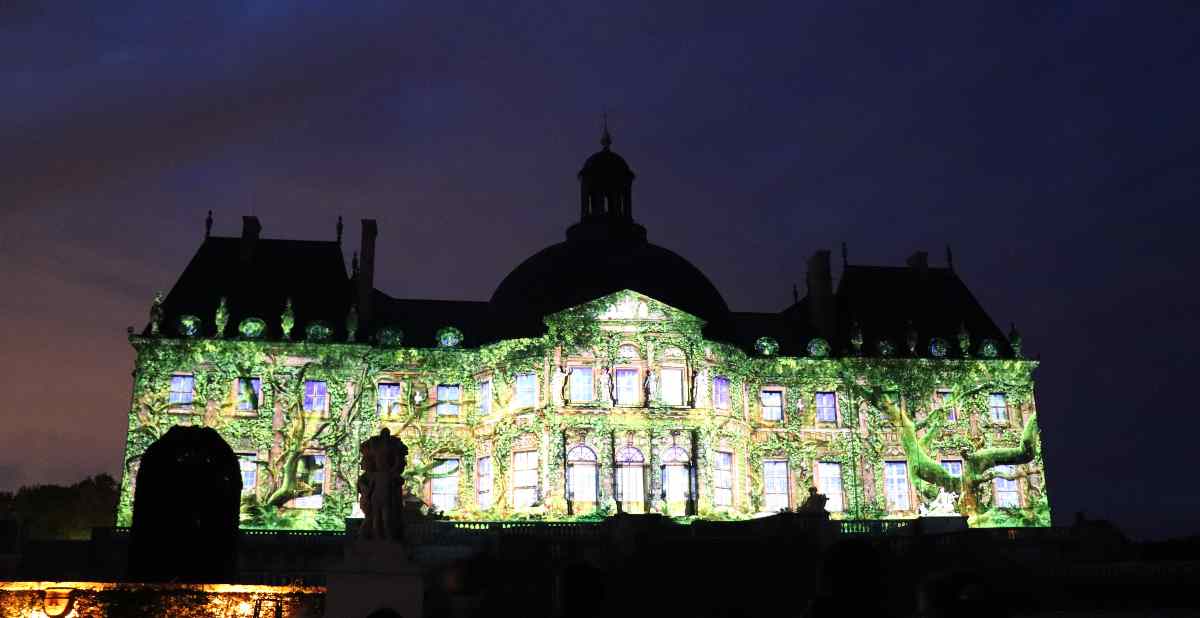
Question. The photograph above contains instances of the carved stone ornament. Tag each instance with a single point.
(156, 313)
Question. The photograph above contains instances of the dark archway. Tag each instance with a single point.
(185, 508)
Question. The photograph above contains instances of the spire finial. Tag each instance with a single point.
(339, 230)
(605, 137)
(208, 225)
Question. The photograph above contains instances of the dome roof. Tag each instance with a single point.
(606, 164)
(571, 273)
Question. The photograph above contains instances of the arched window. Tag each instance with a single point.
(676, 475)
(582, 476)
(629, 475)
(628, 351)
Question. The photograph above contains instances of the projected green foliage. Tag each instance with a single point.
(885, 412)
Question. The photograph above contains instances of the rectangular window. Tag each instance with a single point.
(627, 387)
(830, 476)
(249, 394)
(485, 399)
(723, 479)
(182, 391)
(826, 407)
(941, 400)
(998, 407)
(721, 393)
(772, 405)
(248, 463)
(1007, 494)
(581, 384)
(675, 483)
(775, 486)
(483, 488)
(895, 481)
(448, 396)
(953, 467)
(388, 401)
(629, 484)
(445, 485)
(316, 396)
(525, 478)
(526, 390)
(310, 482)
(582, 481)
(672, 386)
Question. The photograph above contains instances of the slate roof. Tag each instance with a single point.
(311, 273)
(881, 299)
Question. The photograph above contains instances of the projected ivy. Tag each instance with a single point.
(656, 385)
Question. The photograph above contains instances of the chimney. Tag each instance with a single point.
(366, 273)
(251, 228)
(820, 294)
(919, 262)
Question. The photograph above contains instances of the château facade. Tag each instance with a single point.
(604, 375)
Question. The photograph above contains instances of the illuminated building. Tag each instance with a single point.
(604, 375)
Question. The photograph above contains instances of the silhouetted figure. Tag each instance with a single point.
(185, 508)
(381, 486)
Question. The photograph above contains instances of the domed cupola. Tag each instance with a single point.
(605, 252)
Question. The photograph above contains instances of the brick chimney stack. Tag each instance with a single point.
(251, 229)
(821, 308)
(366, 273)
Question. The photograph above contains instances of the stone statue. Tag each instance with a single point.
(156, 313)
(648, 387)
(606, 386)
(814, 503)
(287, 319)
(381, 487)
(941, 506)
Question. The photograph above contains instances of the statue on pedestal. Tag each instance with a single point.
(815, 503)
(381, 487)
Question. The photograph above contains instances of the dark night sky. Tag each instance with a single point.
(1057, 149)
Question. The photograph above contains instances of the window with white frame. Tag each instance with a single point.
(448, 398)
(483, 483)
(775, 485)
(941, 401)
(953, 467)
(1007, 493)
(829, 479)
(630, 486)
(581, 384)
(525, 478)
(676, 475)
(721, 399)
(627, 387)
(388, 400)
(526, 390)
(826, 403)
(310, 482)
(581, 474)
(895, 484)
(485, 398)
(316, 396)
(671, 389)
(248, 464)
(723, 479)
(444, 485)
(998, 407)
(772, 405)
(249, 394)
(183, 391)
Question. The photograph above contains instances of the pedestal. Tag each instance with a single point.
(374, 575)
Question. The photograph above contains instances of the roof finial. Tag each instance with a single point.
(605, 138)
(949, 257)
(339, 229)
(208, 225)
